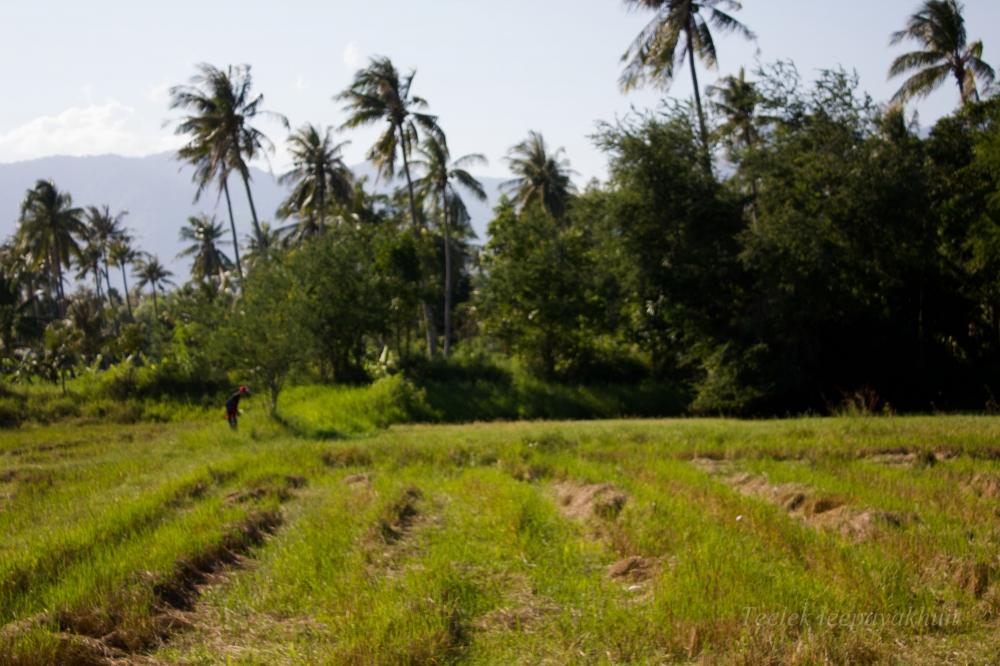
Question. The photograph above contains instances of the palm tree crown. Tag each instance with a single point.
(679, 28)
(940, 28)
(379, 93)
(221, 138)
(319, 179)
(540, 175)
(440, 184)
(102, 228)
(48, 229)
(205, 236)
(736, 100)
(150, 272)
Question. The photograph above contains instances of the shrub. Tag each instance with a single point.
(396, 399)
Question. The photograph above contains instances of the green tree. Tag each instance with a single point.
(85, 312)
(349, 306)
(845, 284)
(379, 94)
(535, 298)
(939, 27)
(441, 184)
(737, 101)
(205, 237)
(60, 350)
(677, 228)
(264, 336)
(679, 28)
(150, 272)
(102, 228)
(221, 137)
(89, 262)
(541, 176)
(319, 179)
(48, 229)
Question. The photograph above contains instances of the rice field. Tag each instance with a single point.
(840, 540)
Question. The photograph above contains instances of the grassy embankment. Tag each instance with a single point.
(847, 540)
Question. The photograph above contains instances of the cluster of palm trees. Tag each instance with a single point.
(323, 191)
(682, 30)
(54, 236)
(221, 109)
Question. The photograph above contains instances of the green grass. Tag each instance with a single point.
(327, 411)
(292, 542)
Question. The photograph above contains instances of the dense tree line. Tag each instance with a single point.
(777, 245)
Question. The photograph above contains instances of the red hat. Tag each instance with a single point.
(244, 389)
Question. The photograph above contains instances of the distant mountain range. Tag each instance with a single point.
(158, 193)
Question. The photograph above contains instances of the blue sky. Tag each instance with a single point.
(91, 77)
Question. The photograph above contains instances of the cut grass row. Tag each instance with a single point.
(452, 544)
(499, 576)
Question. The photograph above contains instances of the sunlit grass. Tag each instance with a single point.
(450, 543)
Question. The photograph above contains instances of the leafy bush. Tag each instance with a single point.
(134, 378)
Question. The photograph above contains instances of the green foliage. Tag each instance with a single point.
(678, 227)
(538, 300)
(264, 336)
(344, 300)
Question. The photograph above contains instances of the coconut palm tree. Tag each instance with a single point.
(205, 236)
(940, 28)
(102, 228)
(48, 230)
(679, 28)
(440, 185)
(736, 100)
(319, 178)
(270, 241)
(541, 176)
(89, 263)
(121, 253)
(221, 138)
(379, 94)
(150, 272)
(198, 153)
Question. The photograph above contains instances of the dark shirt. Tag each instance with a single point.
(234, 402)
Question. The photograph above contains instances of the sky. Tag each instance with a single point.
(86, 78)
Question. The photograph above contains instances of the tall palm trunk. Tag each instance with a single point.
(232, 226)
(107, 280)
(245, 174)
(156, 308)
(447, 279)
(322, 208)
(31, 295)
(426, 308)
(697, 100)
(128, 301)
(60, 294)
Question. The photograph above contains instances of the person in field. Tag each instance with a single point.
(233, 405)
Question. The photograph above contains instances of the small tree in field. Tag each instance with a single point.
(264, 337)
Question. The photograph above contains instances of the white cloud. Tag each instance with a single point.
(95, 129)
(352, 56)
